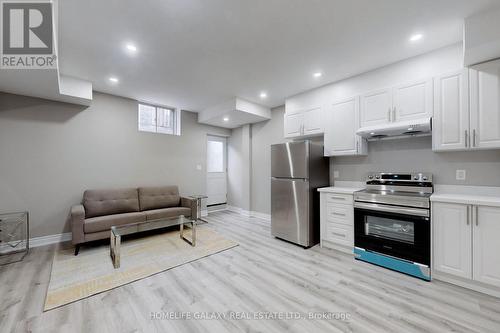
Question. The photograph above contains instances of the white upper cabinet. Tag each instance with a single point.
(486, 230)
(403, 102)
(412, 101)
(467, 109)
(450, 130)
(313, 121)
(485, 105)
(376, 108)
(304, 116)
(341, 124)
(293, 125)
(452, 239)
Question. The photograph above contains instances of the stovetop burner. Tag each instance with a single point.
(401, 189)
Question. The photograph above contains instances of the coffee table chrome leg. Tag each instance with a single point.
(193, 233)
(198, 204)
(111, 246)
(116, 251)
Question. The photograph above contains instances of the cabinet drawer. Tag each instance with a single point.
(339, 213)
(338, 234)
(339, 198)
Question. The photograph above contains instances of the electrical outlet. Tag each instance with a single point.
(336, 174)
(461, 175)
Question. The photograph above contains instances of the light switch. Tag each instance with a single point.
(198, 167)
(336, 174)
(461, 174)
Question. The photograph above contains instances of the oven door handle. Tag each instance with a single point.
(392, 209)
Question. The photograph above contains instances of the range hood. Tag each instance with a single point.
(401, 129)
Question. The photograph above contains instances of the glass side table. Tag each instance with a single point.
(198, 199)
(14, 237)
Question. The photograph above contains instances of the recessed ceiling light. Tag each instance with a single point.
(113, 79)
(318, 74)
(372, 133)
(263, 94)
(416, 37)
(226, 119)
(131, 48)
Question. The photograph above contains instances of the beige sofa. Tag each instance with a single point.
(102, 209)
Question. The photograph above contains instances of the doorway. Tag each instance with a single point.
(216, 170)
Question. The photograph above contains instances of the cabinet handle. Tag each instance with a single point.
(337, 234)
(389, 115)
(357, 147)
(466, 139)
(337, 198)
(468, 214)
(473, 137)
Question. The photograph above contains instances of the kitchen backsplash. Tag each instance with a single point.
(415, 154)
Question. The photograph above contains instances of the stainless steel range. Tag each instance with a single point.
(392, 225)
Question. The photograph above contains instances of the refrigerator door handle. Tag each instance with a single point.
(283, 178)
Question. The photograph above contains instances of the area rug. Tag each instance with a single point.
(91, 272)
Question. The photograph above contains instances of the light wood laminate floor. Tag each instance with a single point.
(263, 275)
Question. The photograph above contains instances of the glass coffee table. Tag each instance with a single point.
(129, 229)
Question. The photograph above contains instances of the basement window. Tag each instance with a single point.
(157, 119)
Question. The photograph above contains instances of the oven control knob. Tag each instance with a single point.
(424, 178)
(370, 177)
(378, 177)
(415, 177)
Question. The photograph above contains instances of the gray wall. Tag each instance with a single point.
(482, 167)
(239, 165)
(51, 152)
(263, 136)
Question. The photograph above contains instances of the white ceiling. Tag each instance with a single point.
(197, 53)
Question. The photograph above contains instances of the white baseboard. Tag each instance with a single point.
(40, 241)
(248, 213)
(50, 239)
(466, 283)
(260, 215)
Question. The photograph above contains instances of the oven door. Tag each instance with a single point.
(401, 232)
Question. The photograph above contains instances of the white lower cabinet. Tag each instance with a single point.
(452, 239)
(337, 221)
(486, 240)
(466, 243)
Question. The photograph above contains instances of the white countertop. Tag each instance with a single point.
(343, 187)
(471, 195)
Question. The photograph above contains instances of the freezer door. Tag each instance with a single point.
(290, 160)
(290, 211)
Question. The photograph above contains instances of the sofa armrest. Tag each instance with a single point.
(190, 203)
(77, 218)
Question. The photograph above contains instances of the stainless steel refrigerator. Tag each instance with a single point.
(298, 169)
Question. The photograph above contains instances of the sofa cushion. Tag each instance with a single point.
(107, 202)
(159, 197)
(104, 223)
(167, 212)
